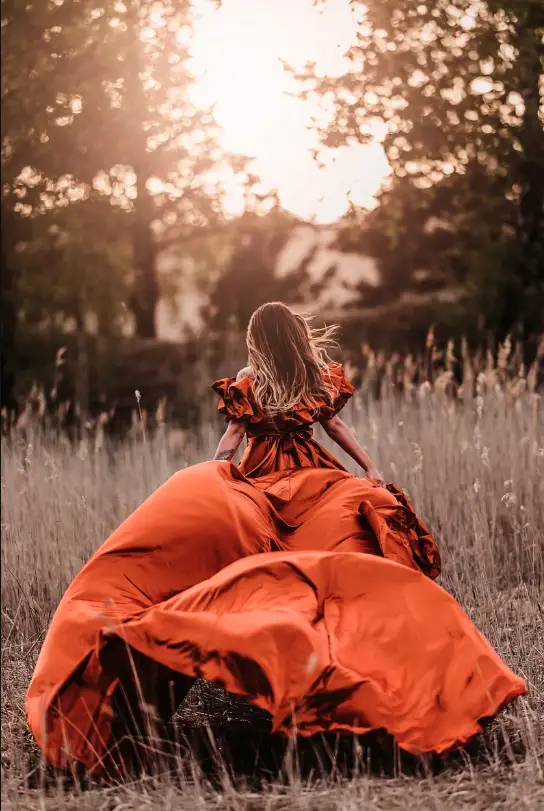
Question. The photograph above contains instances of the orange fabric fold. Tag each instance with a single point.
(307, 638)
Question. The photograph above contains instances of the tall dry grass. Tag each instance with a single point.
(471, 456)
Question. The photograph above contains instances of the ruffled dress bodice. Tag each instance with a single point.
(285, 441)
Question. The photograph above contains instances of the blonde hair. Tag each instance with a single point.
(289, 358)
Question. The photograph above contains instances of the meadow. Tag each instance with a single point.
(470, 456)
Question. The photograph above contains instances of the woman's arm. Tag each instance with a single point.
(338, 431)
(230, 441)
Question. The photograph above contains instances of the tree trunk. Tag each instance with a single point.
(145, 297)
(531, 173)
(8, 329)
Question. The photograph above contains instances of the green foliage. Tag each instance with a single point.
(101, 107)
(436, 239)
(169, 377)
(459, 86)
(74, 269)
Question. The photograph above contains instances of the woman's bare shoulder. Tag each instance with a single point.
(245, 372)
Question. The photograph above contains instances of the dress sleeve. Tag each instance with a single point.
(344, 390)
(234, 402)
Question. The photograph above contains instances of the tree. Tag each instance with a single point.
(459, 86)
(8, 325)
(73, 270)
(251, 273)
(433, 239)
(19, 137)
(109, 111)
(248, 277)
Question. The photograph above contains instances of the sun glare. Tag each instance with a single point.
(238, 51)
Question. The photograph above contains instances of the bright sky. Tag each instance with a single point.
(237, 52)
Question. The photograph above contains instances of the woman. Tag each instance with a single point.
(286, 579)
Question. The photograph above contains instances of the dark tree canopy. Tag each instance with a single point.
(97, 101)
(459, 86)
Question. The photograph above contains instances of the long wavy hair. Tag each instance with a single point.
(289, 358)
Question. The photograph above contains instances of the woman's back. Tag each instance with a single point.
(284, 440)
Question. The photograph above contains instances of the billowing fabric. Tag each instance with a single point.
(288, 581)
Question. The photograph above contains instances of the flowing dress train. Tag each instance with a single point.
(287, 580)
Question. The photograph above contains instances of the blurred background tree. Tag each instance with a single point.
(103, 153)
(459, 88)
(249, 274)
(108, 111)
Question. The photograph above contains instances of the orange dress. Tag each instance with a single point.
(287, 580)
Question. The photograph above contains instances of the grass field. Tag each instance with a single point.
(474, 468)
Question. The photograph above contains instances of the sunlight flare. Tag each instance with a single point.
(239, 51)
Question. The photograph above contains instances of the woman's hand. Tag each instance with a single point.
(345, 438)
(373, 473)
